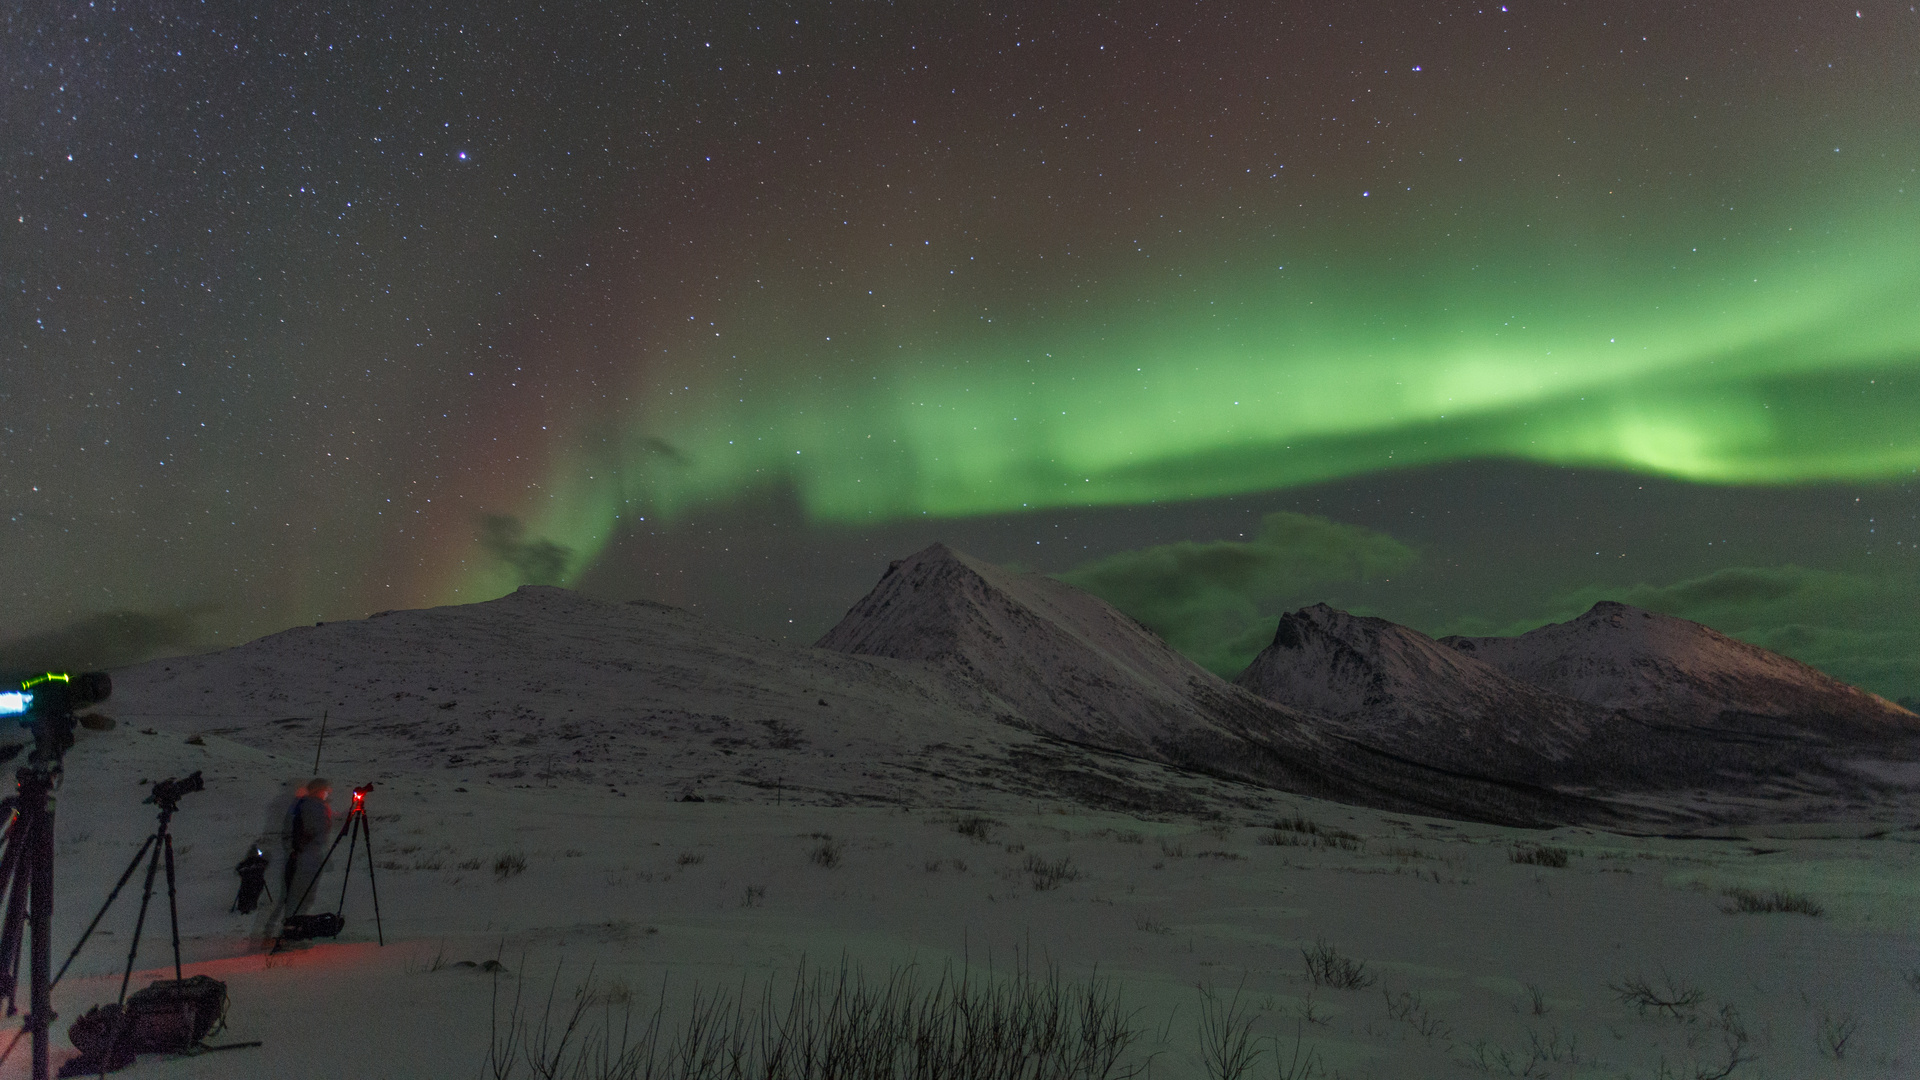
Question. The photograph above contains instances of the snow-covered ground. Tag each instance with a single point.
(530, 757)
(1482, 965)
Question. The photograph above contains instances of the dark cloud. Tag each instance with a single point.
(538, 561)
(1218, 601)
(110, 639)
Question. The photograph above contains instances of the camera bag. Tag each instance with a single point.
(169, 1017)
(307, 927)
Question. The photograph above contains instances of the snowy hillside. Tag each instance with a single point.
(1396, 688)
(1673, 671)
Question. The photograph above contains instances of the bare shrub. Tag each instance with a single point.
(1557, 1046)
(1152, 925)
(1490, 1057)
(756, 895)
(690, 858)
(469, 864)
(826, 853)
(1227, 1048)
(1733, 1044)
(1130, 836)
(1327, 967)
(1835, 1033)
(1293, 1066)
(1761, 903)
(1537, 999)
(1409, 1008)
(1674, 998)
(1173, 849)
(506, 864)
(1047, 875)
(1534, 855)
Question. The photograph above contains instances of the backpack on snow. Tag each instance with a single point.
(171, 1016)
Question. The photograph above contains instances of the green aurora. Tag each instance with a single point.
(1788, 357)
(695, 303)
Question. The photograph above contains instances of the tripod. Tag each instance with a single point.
(356, 826)
(45, 705)
(26, 875)
(166, 795)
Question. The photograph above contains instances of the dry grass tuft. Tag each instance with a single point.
(1761, 903)
(1535, 855)
(826, 853)
(824, 1025)
(1048, 876)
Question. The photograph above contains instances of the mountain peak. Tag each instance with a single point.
(1072, 664)
(1669, 670)
(1392, 686)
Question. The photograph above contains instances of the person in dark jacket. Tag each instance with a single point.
(309, 825)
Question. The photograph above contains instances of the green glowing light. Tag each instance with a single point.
(1773, 362)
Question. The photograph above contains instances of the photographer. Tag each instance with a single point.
(309, 825)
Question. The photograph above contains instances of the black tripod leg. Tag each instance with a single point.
(131, 867)
(14, 876)
(173, 909)
(354, 821)
(13, 871)
(146, 898)
(373, 882)
(40, 916)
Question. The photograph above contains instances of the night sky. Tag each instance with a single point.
(1462, 314)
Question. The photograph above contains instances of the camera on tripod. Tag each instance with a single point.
(167, 793)
(44, 705)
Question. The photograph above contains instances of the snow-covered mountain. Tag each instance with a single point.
(959, 683)
(1666, 670)
(1638, 710)
(1055, 658)
(545, 687)
(1399, 690)
(1067, 663)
